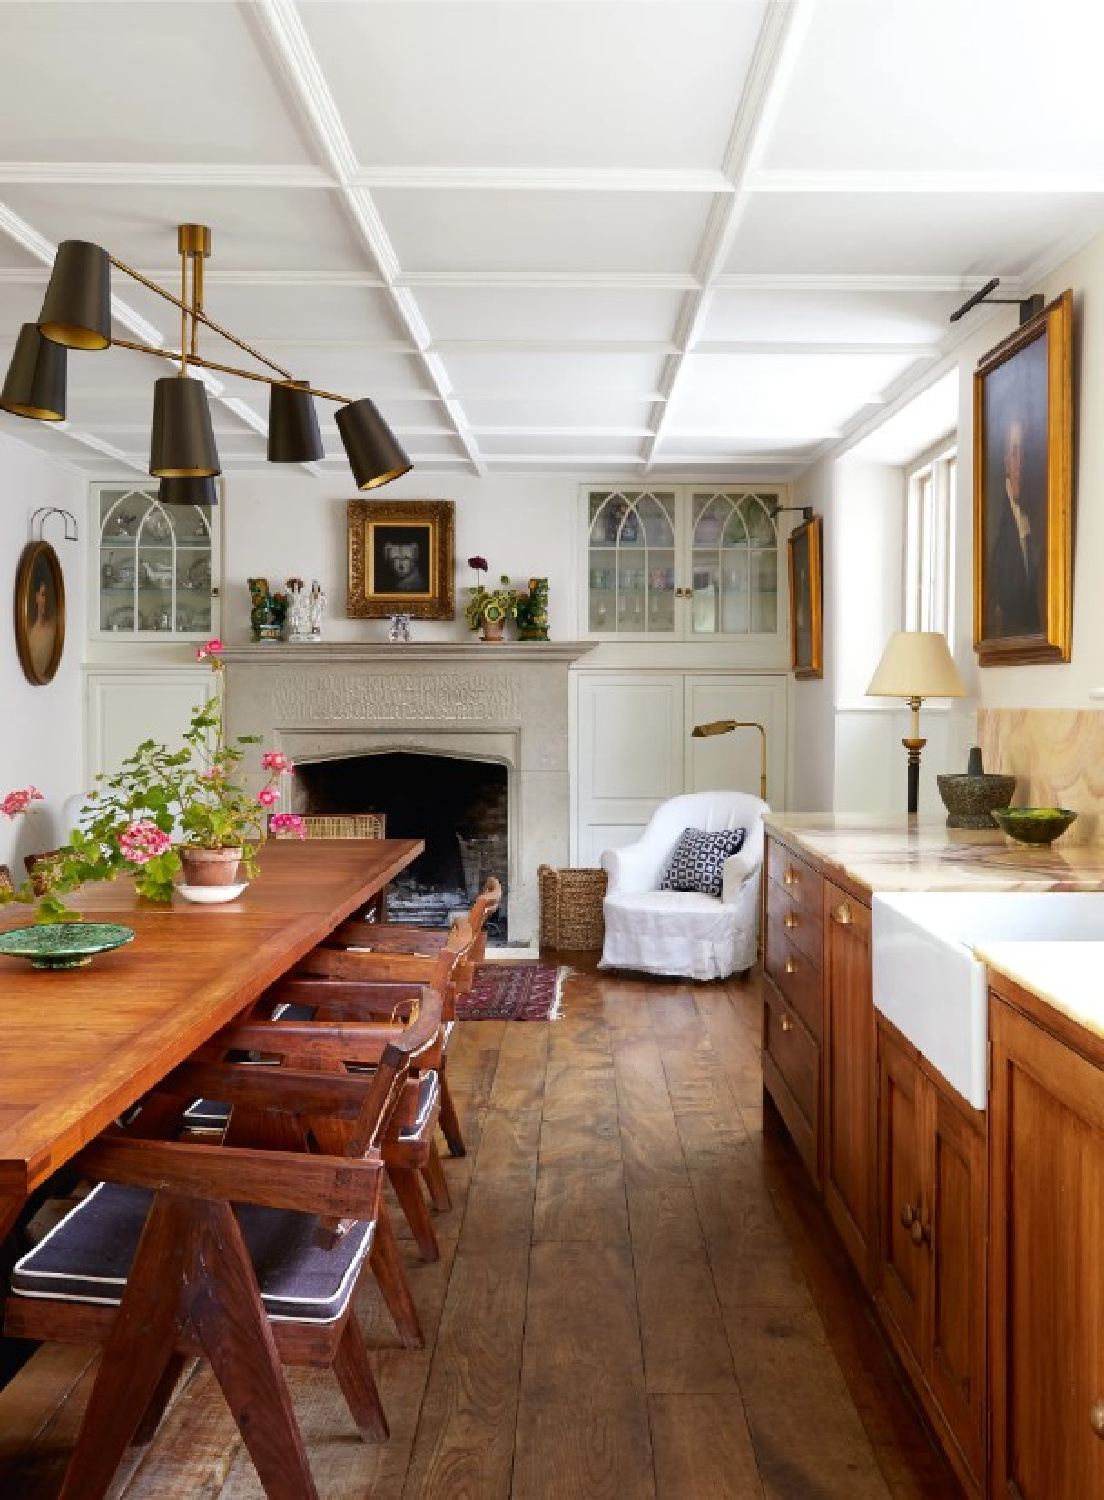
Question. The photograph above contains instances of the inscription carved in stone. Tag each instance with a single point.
(457, 696)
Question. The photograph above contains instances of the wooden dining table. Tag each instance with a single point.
(79, 1046)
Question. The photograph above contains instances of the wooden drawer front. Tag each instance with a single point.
(798, 879)
(801, 925)
(797, 977)
(791, 1073)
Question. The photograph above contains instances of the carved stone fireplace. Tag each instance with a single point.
(506, 705)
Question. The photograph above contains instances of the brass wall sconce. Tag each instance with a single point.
(726, 726)
(76, 314)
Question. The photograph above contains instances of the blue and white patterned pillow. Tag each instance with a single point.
(697, 863)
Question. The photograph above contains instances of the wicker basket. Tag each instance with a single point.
(571, 908)
(341, 826)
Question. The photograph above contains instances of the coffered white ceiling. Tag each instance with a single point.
(650, 237)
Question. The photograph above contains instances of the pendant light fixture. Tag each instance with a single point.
(35, 382)
(187, 492)
(76, 310)
(76, 314)
(375, 454)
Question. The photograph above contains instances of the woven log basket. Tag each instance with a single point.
(571, 908)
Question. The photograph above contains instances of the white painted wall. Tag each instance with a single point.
(40, 727)
(277, 525)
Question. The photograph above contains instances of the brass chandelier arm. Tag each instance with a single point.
(212, 364)
(196, 313)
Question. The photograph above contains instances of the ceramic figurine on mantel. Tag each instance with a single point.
(532, 615)
(304, 611)
(268, 611)
(316, 605)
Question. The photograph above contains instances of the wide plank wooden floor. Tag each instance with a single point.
(637, 1297)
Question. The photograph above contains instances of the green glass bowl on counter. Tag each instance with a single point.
(1034, 825)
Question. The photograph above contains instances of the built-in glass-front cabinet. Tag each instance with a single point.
(154, 566)
(682, 562)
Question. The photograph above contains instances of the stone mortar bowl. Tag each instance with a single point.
(970, 800)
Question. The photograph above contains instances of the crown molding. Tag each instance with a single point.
(767, 281)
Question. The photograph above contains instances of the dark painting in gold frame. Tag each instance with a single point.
(400, 559)
(806, 600)
(39, 612)
(1023, 527)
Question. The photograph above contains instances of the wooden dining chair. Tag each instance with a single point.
(249, 1255)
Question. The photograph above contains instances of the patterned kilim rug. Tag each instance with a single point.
(513, 992)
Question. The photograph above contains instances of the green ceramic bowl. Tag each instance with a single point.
(63, 945)
(1034, 825)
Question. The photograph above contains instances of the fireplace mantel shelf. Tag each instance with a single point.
(284, 654)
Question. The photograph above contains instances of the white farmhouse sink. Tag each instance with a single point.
(928, 982)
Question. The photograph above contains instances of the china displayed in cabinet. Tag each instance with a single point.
(153, 567)
(682, 563)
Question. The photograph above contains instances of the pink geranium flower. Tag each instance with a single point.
(143, 841)
(18, 802)
(268, 797)
(288, 823)
(276, 760)
(213, 647)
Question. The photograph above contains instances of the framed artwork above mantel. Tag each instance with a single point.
(401, 559)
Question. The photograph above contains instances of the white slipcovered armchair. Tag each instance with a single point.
(684, 932)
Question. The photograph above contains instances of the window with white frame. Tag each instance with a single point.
(929, 541)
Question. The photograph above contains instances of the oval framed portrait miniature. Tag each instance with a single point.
(39, 612)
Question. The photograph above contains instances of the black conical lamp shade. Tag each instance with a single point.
(293, 435)
(375, 454)
(35, 383)
(202, 491)
(76, 311)
(182, 443)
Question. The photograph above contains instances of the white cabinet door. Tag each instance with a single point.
(124, 708)
(630, 754)
(735, 759)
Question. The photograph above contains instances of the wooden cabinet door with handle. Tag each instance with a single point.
(1046, 1264)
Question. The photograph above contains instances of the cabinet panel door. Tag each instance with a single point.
(903, 1265)
(954, 1220)
(1046, 1314)
(125, 708)
(850, 1130)
(735, 759)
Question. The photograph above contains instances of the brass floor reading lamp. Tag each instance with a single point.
(726, 726)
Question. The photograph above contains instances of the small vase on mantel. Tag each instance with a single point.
(494, 631)
(210, 866)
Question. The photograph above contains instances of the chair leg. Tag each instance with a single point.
(408, 1189)
(160, 1399)
(450, 1120)
(434, 1176)
(355, 1377)
(138, 1349)
(390, 1273)
(236, 1336)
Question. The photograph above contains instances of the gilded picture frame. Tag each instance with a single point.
(1023, 502)
(39, 612)
(401, 559)
(806, 599)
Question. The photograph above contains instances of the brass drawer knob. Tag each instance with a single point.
(843, 914)
(908, 1215)
(1096, 1418)
(790, 876)
(920, 1235)
(789, 967)
(791, 919)
(787, 1023)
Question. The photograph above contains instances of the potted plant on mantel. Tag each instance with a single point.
(490, 608)
(130, 819)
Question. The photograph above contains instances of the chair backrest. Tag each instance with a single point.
(709, 810)
(320, 973)
(341, 826)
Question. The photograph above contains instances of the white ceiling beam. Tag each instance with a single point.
(769, 281)
(161, 174)
(777, 45)
(635, 281)
(976, 184)
(288, 43)
(545, 179)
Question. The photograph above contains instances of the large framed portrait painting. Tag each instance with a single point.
(400, 559)
(39, 612)
(1023, 440)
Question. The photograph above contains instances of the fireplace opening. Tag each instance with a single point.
(459, 807)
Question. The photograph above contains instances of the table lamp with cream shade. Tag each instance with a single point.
(916, 664)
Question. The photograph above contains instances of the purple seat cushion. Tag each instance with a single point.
(88, 1255)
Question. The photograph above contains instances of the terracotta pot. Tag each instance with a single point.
(210, 866)
(493, 630)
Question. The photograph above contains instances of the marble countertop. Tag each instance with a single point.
(898, 853)
(1064, 975)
